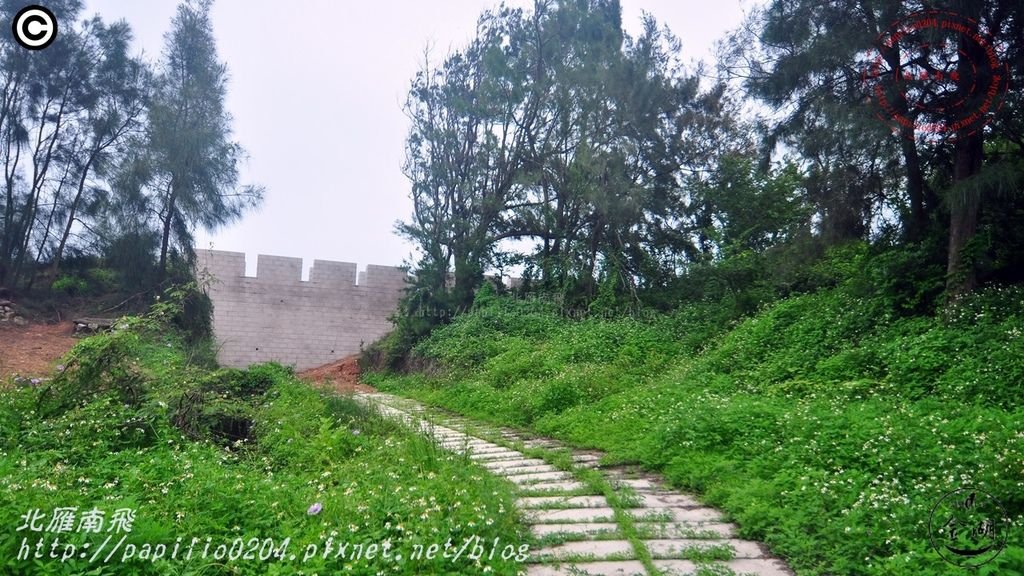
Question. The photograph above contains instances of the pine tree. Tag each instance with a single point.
(191, 163)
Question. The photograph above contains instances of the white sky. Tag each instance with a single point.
(316, 91)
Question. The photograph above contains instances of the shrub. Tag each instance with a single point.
(103, 280)
(70, 285)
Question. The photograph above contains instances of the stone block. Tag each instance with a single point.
(326, 272)
(278, 269)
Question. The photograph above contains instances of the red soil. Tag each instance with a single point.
(33, 350)
(342, 376)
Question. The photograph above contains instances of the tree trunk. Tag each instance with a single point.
(915, 189)
(911, 158)
(71, 212)
(49, 225)
(590, 284)
(10, 104)
(39, 177)
(969, 154)
(960, 272)
(467, 278)
(168, 218)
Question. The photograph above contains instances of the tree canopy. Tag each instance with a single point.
(557, 143)
(107, 154)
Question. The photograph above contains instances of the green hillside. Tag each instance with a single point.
(827, 424)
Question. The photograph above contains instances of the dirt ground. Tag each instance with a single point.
(342, 376)
(33, 350)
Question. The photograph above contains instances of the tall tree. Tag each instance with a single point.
(804, 60)
(191, 165)
(553, 126)
(464, 151)
(116, 104)
(811, 60)
(46, 114)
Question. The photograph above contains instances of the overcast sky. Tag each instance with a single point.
(316, 90)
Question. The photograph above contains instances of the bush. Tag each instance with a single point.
(103, 280)
(132, 256)
(70, 285)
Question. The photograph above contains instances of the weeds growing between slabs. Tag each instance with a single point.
(130, 436)
(825, 425)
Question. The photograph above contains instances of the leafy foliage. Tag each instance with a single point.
(627, 182)
(69, 285)
(556, 127)
(827, 424)
(106, 154)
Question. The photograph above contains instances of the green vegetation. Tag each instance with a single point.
(624, 175)
(245, 457)
(129, 158)
(811, 317)
(828, 424)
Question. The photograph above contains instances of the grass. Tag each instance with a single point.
(255, 460)
(826, 424)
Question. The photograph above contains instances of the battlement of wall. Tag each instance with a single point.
(276, 315)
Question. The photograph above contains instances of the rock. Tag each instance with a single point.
(92, 325)
(7, 311)
(19, 321)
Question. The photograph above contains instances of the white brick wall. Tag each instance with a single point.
(277, 316)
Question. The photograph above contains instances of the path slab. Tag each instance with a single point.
(575, 529)
(510, 470)
(686, 529)
(570, 515)
(464, 441)
(761, 567)
(674, 514)
(664, 499)
(563, 486)
(677, 548)
(536, 477)
(638, 484)
(541, 444)
(487, 449)
(758, 567)
(622, 568)
(562, 502)
(521, 461)
(587, 549)
(506, 455)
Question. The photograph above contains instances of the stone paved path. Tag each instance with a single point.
(592, 519)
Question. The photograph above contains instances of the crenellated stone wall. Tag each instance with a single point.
(278, 316)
